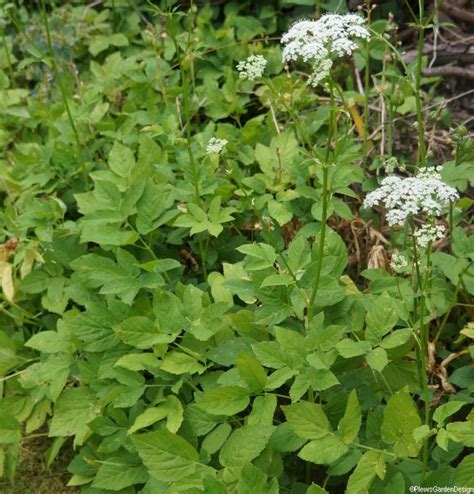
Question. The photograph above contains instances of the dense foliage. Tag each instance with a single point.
(184, 319)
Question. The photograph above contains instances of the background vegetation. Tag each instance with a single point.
(160, 327)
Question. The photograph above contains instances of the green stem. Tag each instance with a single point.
(422, 349)
(366, 88)
(64, 96)
(324, 213)
(390, 129)
(9, 61)
(421, 158)
(187, 112)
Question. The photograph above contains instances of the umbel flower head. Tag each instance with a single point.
(398, 262)
(320, 42)
(429, 233)
(215, 145)
(424, 194)
(252, 68)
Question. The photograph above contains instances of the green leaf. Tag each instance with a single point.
(442, 439)
(216, 438)
(75, 408)
(227, 400)
(261, 256)
(364, 474)
(275, 160)
(380, 319)
(285, 440)
(149, 417)
(104, 234)
(279, 377)
(396, 338)
(270, 354)
(198, 421)
(263, 409)
(118, 472)
(462, 432)
(244, 444)
(350, 423)
(100, 42)
(279, 212)
(167, 456)
(8, 358)
(121, 160)
(400, 420)
(154, 201)
(139, 331)
(324, 451)
(169, 311)
(51, 372)
(277, 280)
(49, 342)
(175, 414)
(114, 278)
(199, 221)
(321, 379)
(465, 471)
(251, 371)
(345, 464)
(94, 328)
(138, 361)
(446, 410)
(395, 484)
(178, 363)
(348, 348)
(300, 386)
(299, 254)
(10, 429)
(377, 359)
(307, 420)
(325, 338)
(422, 432)
(253, 481)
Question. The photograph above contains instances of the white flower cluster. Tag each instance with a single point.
(429, 233)
(215, 145)
(252, 68)
(424, 194)
(398, 262)
(320, 42)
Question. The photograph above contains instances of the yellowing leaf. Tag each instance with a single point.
(6, 273)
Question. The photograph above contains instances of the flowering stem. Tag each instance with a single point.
(421, 158)
(366, 88)
(324, 212)
(63, 94)
(187, 112)
(422, 347)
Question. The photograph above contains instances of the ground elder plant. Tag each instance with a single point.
(225, 268)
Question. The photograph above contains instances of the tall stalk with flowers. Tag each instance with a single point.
(416, 203)
(321, 42)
